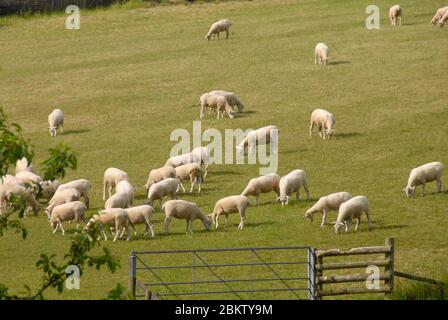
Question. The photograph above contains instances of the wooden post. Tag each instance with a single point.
(319, 274)
(148, 294)
(132, 274)
(389, 269)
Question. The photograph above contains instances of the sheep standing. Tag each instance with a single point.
(263, 184)
(324, 121)
(159, 190)
(182, 209)
(139, 215)
(265, 135)
(231, 204)
(48, 188)
(395, 15)
(444, 19)
(112, 177)
(157, 175)
(428, 172)
(11, 185)
(56, 121)
(192, 171)
(327, 203)
(116, 218)
(321, 52)
(217, 27)
(82, 185)
(291, 183)
(67, 212)
(64, 196)
(123, 197)
(231, 98)
(439, 15)
(352, 208)
(217, 102)
(198, 155)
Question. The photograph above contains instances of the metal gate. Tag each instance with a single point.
(231, 273)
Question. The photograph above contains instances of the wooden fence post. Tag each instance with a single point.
(319, 274)
(389, 268)
(132, 274)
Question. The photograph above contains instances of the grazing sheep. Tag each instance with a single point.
(217, 27)
(263, 184)
(28, 177)
(352, 208)
(217, 102)
(182, 209)
(444, 19)
(11, 185)
(439, 15)
(232, 99)
(327, 203)
(67, 212)
(324, 121)
(24, 165)
(112, 177)
(123, 197)
(231, 204)
(192, 171)
(82, 185)
(159, 174)
(115, 218)
(321, 52)
(161, 189)
(395, 15)
(291, 183)
(48, 188)
(428, 172)
(259, 137)
(139, 215)
(64, 196)
(198, 155)
(56, 121)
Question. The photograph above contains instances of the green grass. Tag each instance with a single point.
(129, 77)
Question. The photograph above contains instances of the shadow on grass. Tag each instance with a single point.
(225, 173)
(387, 227)
(337, 62)
(69, 132)
(348, 135)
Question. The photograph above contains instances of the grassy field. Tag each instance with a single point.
(127, 78)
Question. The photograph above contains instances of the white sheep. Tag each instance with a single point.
(291, 183)
(231, 98)
(28, 177)
(122, 198)
(115, 218)
(159, 174)
(139, 215)
(324, 121)
(321, 52)
(67, 212)
(198, 155)
(82, 185)
(444, 19)
(395, 15)
(24, 165)
(112, 176)
(192, 171)
(216, 102)
(217, 27)
(182, 209)
(352, 208)
(11, 185)
(439, 15)
(428, 172)
(49, 188)
(159, 190)
(63, 196)
(263, 184)
(56, 121)
(261, 136)
(327, 203)
(231, 204)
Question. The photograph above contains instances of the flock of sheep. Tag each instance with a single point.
(64, 199)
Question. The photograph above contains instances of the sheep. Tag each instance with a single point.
(159, 174)
(11, 185)
(232, 99)
(428, 172)
(352, 208)
(265, 135)
(231, 204)
(116, 218)
(82, 185)
(48, 188)
(112, 177)
(182, 209)
(439, 16)
(67, 212)
(215, 101)
(198, 155)
(123, 197)
(290, 183)
(217, 27)
(395, 15)
(56, 121)
(327, 203)
(444, 19)
(24, 165)
(263, 184)
(324, 121)
(192, 171)
(139, 215)
(321, 52)
(28, 177)
(161, 189)
(64, 196)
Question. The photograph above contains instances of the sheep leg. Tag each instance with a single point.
(56, 228)
(369, 224)
(166, 225)
(256, 199)
(438, 185)
(358, 220)
(347, 225)
(187, 229)
(201, 115)
(242, 219)
(324, 217)
(62, 229)
(122, 232)
(305, 186)
(226, 220)
(104, 235)
(217, 221)
(423, 188)
(128, 232)
(227, 34)
(182, 186)
(87, 201)
(311, 128)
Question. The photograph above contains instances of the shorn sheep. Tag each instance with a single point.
(123, 197)
(10, 185)
(352, 208)
(265, 135)
(327, 203)
(111, 178)
(217, 27)
(444, 19)
(324, 121)
(216, 102)
(199, 155)
(437, 19)
(56, 121)
(428, 172)
(141, 215)
(64, 196)
(263, 184)
(231, 204)
(321, 53)
(190, 171)
(395, 15)
(115, 218)
(67, 212)
(82, 185)
(291, 183)
(159, 190)
(181, 209)
(157, 175)
(49, 188)
(232, 99)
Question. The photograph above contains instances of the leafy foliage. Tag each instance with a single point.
(61, 158)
